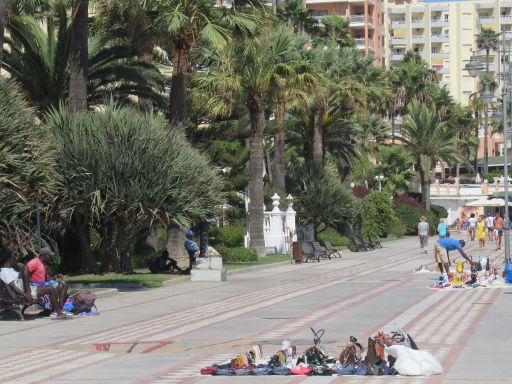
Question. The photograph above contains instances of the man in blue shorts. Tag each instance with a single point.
(441, 249)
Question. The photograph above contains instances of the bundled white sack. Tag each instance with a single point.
(411, 362)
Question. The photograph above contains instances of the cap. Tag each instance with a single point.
(46, 251)
(189, 233)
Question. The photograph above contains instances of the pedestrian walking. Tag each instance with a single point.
(499, 223)
(481, 231)
(490, 226)
(472, 226)
(423, 233)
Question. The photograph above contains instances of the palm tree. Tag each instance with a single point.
(465, 127)
(295, 13)
(334, 29)
(243, 72)
(428, 140)
(189, 25)
(395, 164)
(3, 6)
(39, 61)
(79, 55)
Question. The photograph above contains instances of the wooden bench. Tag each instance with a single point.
(330, 249)
(320, 250)
(14, 303)
(309, 252)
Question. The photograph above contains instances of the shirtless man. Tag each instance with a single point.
(499, 224)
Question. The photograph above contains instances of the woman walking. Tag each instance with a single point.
(481, 231)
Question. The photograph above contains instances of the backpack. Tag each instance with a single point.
(83, 301)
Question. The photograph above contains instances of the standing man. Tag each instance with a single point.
(192, 249)
(499, 223)
(490, 226)
(472, 226)
(441, 249)
(38, 274)
(423, 233)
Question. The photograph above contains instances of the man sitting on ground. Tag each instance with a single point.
(441, 249)
(163, 264)
(20, 286)
(38, 275)
(192, 249)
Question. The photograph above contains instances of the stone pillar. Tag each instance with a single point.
(485, 187)
(203, 239)
(437, 186)
(447, 186)
(290, 228)
(274, 226)
(457, 186)
(497, 186)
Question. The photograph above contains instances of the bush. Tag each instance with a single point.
(378, 216)
(232, 236)
(238, 255)
(439, 212)
(333, 236)
(409, 217)
(407, 200)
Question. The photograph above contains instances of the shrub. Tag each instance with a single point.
(439, 212)
(409, 218)
(407, 200)
(232, 236)
(237, 255)
(360, 191)
(377, 214)
(333, 236)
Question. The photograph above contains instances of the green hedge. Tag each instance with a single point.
(439, 211)
(409, 218)
(333, 236)
(237, 255)
(378, 216)
(232, 236)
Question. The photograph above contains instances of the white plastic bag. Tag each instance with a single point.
(411, 362)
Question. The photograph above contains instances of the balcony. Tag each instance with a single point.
(486, 20)
(417, 23)
(485, 5)
(507, 35)
(360, 2)
(483, 53)
(397, 23)
(396, 11)
(439, 8)
(419, 39)
(442, 55)
(398, 41)
(506, 19)
(506, 4)
(360, 43)
(443, 70)
(397, 56)
(358, 21)
(440, 38)
(435, 22)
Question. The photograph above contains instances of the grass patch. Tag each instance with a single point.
(271, 259)
(142, 276)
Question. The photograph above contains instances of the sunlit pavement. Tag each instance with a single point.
(166, 335)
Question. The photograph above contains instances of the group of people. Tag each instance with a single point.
(165, 264)
(33, 282)
(486, 229)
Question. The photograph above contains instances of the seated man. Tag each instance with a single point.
(38, 275)
(441, 249)
(19, 284)
(163, 264)
(192, 249)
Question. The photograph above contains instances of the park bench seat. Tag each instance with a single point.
(320, 250)
(12, 302)
(309, 251)
(330, 249)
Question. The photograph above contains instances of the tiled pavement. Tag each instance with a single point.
(166, 335)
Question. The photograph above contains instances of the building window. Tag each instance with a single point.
(319, 13)
(446, 17)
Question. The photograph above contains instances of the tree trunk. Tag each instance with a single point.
(203, 239)
(175, 245)
(457, 171)
(274, 7)
(80, 226)
(178, 97)
(3, 5)
(318, 145)
(425, 190)
(268, 161)
(70, 252)
(79, 56)
(279, 138)
(256, 214)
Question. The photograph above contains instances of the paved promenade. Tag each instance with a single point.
(166, 335)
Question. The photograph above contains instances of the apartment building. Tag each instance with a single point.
(366, 22)
(443, 33)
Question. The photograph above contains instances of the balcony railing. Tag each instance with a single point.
(506, 19)
(440, 38)
(486, 20)
(397, 56)
(443, 55)
(359, 19)
(419, 39)
(398, 40)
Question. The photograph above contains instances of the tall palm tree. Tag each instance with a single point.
(334, 29)
(428, 140)
(3, 6)
(242, 73)
(487, 39)
(79, 55)
(465, 127)
(395, 164)
(295, 13)
(189, 25)
(39, 57)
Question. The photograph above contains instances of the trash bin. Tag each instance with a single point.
(297, 252)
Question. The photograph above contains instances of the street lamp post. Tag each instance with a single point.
(379, 178)
(474, 67)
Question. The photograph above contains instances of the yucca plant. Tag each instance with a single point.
(124, 170)
(27, 175)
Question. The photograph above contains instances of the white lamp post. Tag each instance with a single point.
(379, 178)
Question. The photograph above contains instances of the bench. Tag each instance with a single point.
(12, 302)
(330, 249)
(320, 250)
(356, 245)
(375, 241)
(309, 252)
(367, 243)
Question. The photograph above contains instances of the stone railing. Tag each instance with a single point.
(457, 189)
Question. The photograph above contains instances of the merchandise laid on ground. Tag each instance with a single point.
(386, 354)
(482, 274)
